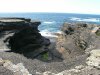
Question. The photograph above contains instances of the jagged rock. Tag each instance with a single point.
(22, 35)
(76, 39)
(94, 58)
(67, 28)
(28, 40)
(7, 24)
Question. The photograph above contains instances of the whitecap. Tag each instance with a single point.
(74, 18)
(85, 19)
(49, 22)
(90, 20)
(47, 33)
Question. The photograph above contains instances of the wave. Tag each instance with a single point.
(74, 18)
(85, 19)
(49, 22)
(47, 33)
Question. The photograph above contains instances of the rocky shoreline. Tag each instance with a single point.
(74, 52)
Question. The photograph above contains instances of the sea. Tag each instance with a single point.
(52, 22)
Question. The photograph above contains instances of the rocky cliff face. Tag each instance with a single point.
(28, 40)
(26, 37)
(79, 43)
(77, 38)
(8, 24)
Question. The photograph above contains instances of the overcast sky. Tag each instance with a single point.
(58, 6)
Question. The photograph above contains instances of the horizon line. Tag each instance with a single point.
(48, 12)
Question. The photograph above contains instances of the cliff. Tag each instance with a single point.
(22, 36)
(76, 51)
(7, 24)
(77, 38)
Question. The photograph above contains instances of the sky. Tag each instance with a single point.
(57, 6)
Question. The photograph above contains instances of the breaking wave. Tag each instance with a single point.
(47, 33)
(49, 22)
(85, 19)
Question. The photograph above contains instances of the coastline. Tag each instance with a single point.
(70, 51)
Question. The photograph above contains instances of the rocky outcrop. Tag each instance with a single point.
(8, 24)
(28, 40)
(94, 58)
(23, 36)
(77, 38)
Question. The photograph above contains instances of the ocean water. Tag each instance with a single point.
(52, 22)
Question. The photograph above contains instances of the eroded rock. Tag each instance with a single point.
(76, 39)
(94, 58)
(8, 24)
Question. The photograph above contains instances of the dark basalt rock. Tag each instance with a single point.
(22, 36)
(22, 39)
(8, 24)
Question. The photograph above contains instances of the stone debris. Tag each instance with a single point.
(92, 67)
(94, 58)
(18, 69)
(48, 73)
(77, 71)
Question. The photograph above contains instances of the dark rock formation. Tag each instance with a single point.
(26, 38)
(8, 24)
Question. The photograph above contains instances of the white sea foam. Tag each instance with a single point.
(75, 18)
(46, 33)
(49, 22)
(91, 20)
(85, 19)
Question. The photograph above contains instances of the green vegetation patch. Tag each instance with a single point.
(45, 56)
(98, 33)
